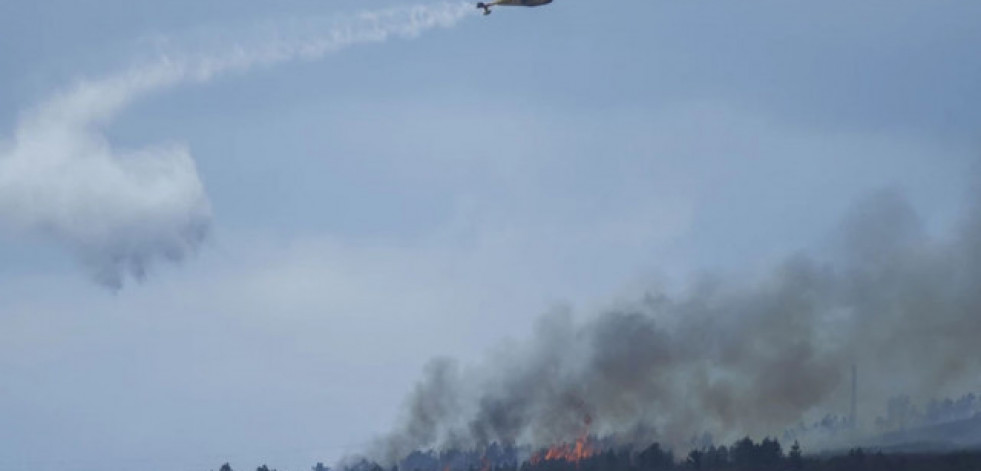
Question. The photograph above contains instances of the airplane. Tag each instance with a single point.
(517, 3)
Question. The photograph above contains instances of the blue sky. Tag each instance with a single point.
(389, 202)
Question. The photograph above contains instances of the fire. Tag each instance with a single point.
(571, 452)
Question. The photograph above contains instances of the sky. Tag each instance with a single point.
(230, 233)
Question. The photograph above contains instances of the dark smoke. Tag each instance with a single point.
(731, 356)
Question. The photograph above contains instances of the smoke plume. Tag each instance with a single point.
(119, 210)
(730, 357)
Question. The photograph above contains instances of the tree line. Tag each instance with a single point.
(743, 455)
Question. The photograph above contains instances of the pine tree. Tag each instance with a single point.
(795, 457)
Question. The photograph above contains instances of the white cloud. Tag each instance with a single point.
(119, 210)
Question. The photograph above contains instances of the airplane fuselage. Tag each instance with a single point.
(522, 3)
(514, 3)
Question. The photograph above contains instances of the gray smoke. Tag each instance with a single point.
(730, 356)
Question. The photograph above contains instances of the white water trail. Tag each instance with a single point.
(120, 211)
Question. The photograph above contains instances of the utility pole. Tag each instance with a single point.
(853, 417)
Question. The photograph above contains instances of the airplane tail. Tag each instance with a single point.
(487, 10)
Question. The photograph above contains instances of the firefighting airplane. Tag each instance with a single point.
(517, 3)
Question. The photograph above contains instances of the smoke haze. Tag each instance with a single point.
(730, 356)
(120, 210)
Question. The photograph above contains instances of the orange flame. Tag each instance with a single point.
(572, 453)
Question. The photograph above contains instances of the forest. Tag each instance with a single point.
(743, 455)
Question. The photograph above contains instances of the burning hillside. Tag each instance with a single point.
(729, 357)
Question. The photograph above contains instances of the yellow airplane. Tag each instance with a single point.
(516, 3)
